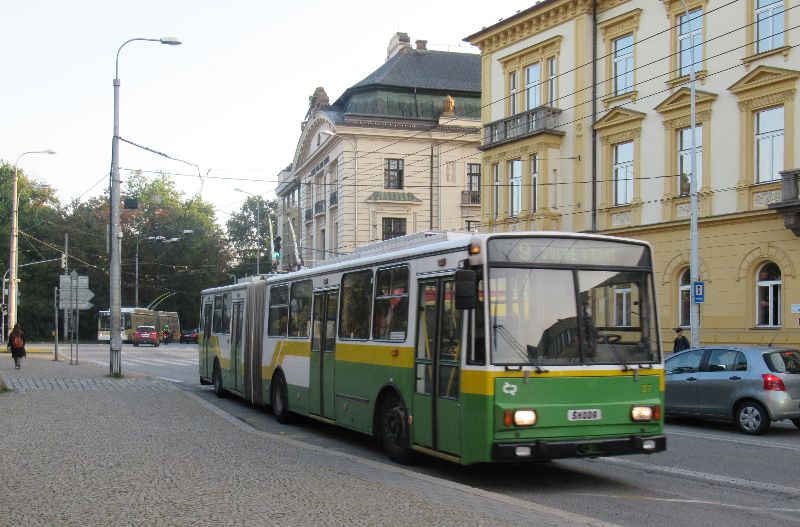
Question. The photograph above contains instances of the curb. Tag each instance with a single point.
(29, 350)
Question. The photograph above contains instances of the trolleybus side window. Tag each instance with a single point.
(356, 305)
(278, 310)
(226, 313)
(391, 304)
(477, 351)
(300, 309)
(217, 325)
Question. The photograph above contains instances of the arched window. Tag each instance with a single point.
(768, 295)
(684, 299)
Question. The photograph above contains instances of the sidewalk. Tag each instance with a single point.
(82, 448)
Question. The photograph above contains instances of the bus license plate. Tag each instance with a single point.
(583, 415)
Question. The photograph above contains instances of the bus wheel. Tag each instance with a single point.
(394, 430)
(279, 399)
(216, 380)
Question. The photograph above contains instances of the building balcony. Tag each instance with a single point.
(309, 216)
(470, 197)
(536, 121)
(334, 198)
(319, 207)
(789, 204)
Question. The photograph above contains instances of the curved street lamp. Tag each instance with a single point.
(12, 260)
(115, 286)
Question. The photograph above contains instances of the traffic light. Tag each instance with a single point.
(63, 260)
(276, 245)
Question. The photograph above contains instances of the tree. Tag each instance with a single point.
(180, 270)
(39, 211)
(243, 234)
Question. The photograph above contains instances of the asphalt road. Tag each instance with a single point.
(711, 474)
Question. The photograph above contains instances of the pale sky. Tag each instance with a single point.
(230, 99)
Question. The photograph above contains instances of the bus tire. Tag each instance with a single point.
(216, 380)
(279, 398)
(394, 430)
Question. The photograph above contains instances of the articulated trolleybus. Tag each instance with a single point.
(468, 347)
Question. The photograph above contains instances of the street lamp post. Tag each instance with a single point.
(694, 253)
(12, 260)
(258, 228)
(163, 240)
(115, 286)
(333, 133)
(136, 286)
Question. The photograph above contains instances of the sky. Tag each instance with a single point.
(229, 100)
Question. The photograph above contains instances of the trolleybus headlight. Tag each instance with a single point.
(646, 413)
(519, 418)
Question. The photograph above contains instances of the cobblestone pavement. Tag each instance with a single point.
(80, 448)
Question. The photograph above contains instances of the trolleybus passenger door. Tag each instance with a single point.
(236, 347)
(436, 400)
(205, 361)
(323, 354)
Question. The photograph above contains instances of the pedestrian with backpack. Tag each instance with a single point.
(16, 342)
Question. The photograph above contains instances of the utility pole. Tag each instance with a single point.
(65, 333)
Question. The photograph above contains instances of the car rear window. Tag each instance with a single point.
(786, 361)
(145, 329)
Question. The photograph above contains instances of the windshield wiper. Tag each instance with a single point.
(613, 349)
(499, 329)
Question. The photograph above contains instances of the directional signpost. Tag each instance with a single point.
(74, 296)
(72, 293)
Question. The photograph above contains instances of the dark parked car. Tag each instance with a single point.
(750, 386)
(146, 335)
(189, 335)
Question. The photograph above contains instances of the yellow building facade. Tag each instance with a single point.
(586, 127)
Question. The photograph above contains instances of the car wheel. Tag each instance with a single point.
(752, 418)
(216, 380)
(394, 430)
(796, 422)
(135, 344)
(279, 399)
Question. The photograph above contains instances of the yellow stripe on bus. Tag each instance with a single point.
(284, 348)
(394, 356)
(482, 382)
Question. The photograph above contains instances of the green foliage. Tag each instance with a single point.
(197, 261)
(244, 234)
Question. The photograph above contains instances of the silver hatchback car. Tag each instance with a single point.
(748, 385)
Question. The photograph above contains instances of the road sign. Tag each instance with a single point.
(699, 292)
(74, 289)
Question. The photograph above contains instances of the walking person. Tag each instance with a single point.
(16, 342)
(681, 342)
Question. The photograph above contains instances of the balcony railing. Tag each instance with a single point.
(789, 204)
(309, 214)
(538, 120)
(334, 198)
(470, 197)
(319, 207)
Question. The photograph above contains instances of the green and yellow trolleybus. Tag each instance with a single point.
(469, 347)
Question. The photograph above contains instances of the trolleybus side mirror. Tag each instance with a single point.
(466, 289)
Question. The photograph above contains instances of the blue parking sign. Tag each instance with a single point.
(699, 292)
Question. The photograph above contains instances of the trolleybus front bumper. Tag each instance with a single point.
(546, 449)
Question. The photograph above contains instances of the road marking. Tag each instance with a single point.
(681, 500)
(738, 441)
(704, 476)
(171, 380)
(564, 516)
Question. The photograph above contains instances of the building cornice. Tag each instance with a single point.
(542, 16)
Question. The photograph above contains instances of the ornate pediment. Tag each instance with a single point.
(765, 76)
(619, 116)
(681, 101)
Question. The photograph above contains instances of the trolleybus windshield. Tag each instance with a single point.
(560, 317)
